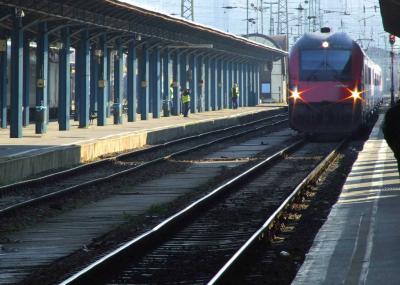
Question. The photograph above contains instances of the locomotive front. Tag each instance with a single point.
(325, 84)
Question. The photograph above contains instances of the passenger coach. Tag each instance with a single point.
(333, 86)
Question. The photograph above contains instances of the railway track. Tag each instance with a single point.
(190, 246)
(32, 192)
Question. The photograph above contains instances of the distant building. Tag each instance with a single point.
(273, 77)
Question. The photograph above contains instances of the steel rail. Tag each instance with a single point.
(32, 202)
(79, 168)
(226, 271)
(96, 271)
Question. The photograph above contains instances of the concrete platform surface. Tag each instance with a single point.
(32, 154)
(360, 241)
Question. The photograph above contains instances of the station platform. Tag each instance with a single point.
(359, 242)
(24, 157)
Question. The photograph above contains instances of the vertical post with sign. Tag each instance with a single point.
(392, 40)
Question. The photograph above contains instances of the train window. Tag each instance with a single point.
(325, 65)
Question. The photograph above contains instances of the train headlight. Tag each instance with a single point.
(295, 94)
(355, 94)
(325, 44)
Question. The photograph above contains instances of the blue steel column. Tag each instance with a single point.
(16, 78)
(144, 82)
(42, 75)
(230, 83)
(251, 84)
(78, 72)
(26, 87)
(101, 82)
(220, 78)
(214, 83)
(176, 75)
(193, 85)
(201, 87)
(207, 84)
(94, 75)
(241, 84)
(226, 85)
(84, 74)
(166, 83)
(183, 70)
(64, 84)
(107, 89)
(3, 83)
(257, 85)
(156, 83)
(132, 82)
(118, 85)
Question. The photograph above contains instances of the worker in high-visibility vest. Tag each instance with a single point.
(186, 102)
(235, 95)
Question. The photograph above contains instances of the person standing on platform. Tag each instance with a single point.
(235, 95)
(186, 102)
(391, 130)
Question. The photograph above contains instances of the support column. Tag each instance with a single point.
(183, 72)
(64, 84)
(131, 81)
(107, 89)
(3, 82)
(94, 75)
(144, 82)
(16, 78)
(84, 74)
(230, 84)
(207, 84)
(193, 85)
(101, 83)
(156, 83)
(253, 83)
(166, 87)
(220, 83)
(247, 84)
(78, 72)
(257, 85)
(118, 85)
(201, 83)
(42, 75)
(214, 84)
(26, 84)
(176, 75)
(226, 85)
(241, 84)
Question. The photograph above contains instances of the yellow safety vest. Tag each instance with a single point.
(235, 91)
(171, 92)
(185, 98)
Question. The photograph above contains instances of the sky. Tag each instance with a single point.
(340, 15)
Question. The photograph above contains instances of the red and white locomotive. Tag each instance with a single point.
(333, 86)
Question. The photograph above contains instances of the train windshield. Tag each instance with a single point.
(325, 65)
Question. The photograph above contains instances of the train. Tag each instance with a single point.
(334, 87)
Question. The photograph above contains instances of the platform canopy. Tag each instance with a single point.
(390, 10)
(116, 17)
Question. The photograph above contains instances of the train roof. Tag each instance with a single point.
(314, 40)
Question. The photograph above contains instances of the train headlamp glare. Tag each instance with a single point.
(295, 94)
(325, 44)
